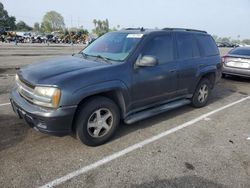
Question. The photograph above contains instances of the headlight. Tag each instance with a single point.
(16, 77)
(47, 96)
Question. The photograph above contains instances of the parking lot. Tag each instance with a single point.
(186, 147)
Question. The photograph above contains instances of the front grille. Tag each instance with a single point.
(26, 83)
(25, 90)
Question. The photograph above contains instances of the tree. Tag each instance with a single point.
(36, 27)
(246, 41)
(83, 31)
(236, 41)
(101, 27)
(226, 39)
(95, 22)
(215, 37)
(52, 21)
(22, 26)
(6, 21)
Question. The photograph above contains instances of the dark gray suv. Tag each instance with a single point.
(126, 75)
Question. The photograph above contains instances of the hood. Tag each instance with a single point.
(38, 73)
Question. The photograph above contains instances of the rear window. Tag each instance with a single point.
(240, 51)
(207, 45)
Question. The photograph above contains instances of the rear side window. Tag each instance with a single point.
(184, 46)
(207, 45)
(161, 47)
(187, 46)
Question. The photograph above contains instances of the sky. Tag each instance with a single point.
(225, 18)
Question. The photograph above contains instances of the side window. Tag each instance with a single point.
(207, 45)
(185, 46)
(196, 50)
(161, 47)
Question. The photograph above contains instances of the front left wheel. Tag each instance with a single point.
(97, 121)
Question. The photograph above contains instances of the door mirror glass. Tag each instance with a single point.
(146, 61)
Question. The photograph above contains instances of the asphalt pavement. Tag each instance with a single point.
(186, 147)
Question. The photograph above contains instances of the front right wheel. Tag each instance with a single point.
(201, 94)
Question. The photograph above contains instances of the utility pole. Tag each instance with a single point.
(78, 22)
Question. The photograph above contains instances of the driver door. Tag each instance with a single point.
(158, 83)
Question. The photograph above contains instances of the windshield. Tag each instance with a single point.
(113, 46)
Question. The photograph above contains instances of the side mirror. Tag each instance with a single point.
(146, 61)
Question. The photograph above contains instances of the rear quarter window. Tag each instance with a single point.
(207, 45)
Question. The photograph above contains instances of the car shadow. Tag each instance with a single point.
(12, 131)
(237, 78)
(219, 93)
(180, 182)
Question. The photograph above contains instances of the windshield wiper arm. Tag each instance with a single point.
(107, 60)
(83, 54)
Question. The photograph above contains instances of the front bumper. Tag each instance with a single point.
(235, 71)
(51, 121)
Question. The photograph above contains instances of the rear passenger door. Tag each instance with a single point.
(188, 58)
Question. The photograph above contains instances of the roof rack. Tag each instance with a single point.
(184, 29)
(138, 28)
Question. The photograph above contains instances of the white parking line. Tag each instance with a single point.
(129, 149)
(5, 104)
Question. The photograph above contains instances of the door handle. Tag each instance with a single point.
(173, 70)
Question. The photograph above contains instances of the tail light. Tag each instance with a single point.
(223, 59)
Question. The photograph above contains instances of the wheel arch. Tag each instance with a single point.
(118, 95)
(208, 72)
(211, 77)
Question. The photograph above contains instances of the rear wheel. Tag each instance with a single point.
(97, 121)
(201, 94)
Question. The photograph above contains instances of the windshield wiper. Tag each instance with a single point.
(83, 54)
(107, 60)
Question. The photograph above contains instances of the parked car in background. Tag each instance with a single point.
(220, 44)
(227, 45)
(2, 30)
(237, 62)
(126, 75)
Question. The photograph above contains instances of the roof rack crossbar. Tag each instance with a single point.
(184, 29)
(138, 28)
(131, 28)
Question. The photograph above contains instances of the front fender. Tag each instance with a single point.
(94, 89)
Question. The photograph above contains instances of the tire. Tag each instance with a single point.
(97, 121)
(202, 93)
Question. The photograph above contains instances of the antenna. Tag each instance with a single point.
(70, 35)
